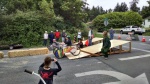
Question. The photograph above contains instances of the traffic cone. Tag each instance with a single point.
(143, 39)
(119, 37)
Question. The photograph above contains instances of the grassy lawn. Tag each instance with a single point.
(98, 35)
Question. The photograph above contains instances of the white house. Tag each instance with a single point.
(146, 22)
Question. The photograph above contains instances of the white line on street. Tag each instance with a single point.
(136, 57)
(90, 64)
(138, 49)
(144, 44)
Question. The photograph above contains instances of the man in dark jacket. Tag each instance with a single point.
(51, 37)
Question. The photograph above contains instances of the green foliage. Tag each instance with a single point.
(118, 19)
(121, 8)
(95, 11)
(71, 11)
(25, 27)
(134, 7)
(47, 8)
(146, 10)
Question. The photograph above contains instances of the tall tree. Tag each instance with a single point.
(70, 10)
(123, 7)
(117, 8)
(146, 10)
(110, 10)
(134, 7)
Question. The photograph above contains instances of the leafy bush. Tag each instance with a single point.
(26, 28)
(118, 19)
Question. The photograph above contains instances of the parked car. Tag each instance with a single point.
(133, 29)
(12, 46)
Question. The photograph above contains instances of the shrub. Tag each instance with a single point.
(118, 19)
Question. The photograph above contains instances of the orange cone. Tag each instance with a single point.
(143, 39)
(119, 37)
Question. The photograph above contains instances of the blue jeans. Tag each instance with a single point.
(90, 41)
(111, 36)
(45, 42)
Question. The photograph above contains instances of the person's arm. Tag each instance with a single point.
(41, 66)
(59, 67)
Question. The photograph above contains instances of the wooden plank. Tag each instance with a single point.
(96, 39)
(81, 55)
(97, 48)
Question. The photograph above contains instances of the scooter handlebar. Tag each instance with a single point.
(28, 71)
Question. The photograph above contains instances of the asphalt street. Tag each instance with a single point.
(126, 68)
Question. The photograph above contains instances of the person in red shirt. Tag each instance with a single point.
(57, 35)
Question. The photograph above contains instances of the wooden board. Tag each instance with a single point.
(96, 39)
(81, 55)
(97, 48)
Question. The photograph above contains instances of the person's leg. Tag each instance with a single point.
(44, 43)
(90, 42)
(62, 39)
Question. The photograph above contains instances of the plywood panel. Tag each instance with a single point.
(93, 40)
(81, 55)
(97, 48)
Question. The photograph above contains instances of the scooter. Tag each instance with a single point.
(33, 73)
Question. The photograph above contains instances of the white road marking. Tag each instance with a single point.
(135, 57)
(124, 79)
(144, 44)
(90, 64)
(115, 74)
(138, 49)
(78, 65)
(99, 62)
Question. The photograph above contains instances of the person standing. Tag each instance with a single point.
(46, 72)
(79, 35)
(111, 33)
(106, 45)
(90, 36)
(57, 35)
(51, 37)
(45, 38)
(63, 36)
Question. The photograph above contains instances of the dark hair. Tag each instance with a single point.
(105, 33)
(47, 61)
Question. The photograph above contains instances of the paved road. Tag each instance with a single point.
(128, 68)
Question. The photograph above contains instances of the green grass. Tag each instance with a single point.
(98, 35)
(146, 34)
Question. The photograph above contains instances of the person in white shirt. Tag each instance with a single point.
(90, 36)
(45, 38)
(79, 35)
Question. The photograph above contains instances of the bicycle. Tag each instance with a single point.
(33, 73)
(74, 49)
